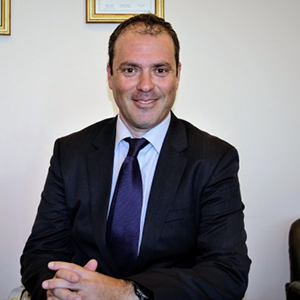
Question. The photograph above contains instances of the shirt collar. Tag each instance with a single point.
(155, 136)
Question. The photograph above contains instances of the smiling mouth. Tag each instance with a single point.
(146, 101)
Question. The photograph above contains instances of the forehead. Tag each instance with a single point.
(132, 42)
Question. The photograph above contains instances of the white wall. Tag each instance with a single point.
(240, 81)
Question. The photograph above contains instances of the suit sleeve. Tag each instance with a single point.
(221, 266)
(50, 237)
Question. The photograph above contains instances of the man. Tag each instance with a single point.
(191, 242)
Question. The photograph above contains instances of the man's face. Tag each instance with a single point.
(144, 80)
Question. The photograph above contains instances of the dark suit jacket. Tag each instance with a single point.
(193, 244)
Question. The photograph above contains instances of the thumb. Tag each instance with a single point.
(91, 265)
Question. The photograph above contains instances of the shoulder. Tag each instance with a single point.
(197, 136)
(210, 152)
(195, 139)
(87, 139)
(89, 133)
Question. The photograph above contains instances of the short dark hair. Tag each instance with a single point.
(143, 24)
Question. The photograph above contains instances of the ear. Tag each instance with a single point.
(108, 71)
(178, 73)
(179, 70)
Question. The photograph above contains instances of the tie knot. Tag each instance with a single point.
(135, 145)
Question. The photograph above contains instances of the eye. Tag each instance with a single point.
(128, 70)
(161, 71)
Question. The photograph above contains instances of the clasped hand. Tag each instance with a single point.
(73, 282)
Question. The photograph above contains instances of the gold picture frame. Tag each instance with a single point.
(5, 17)
(108, 11)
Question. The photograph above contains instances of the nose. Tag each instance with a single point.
(145, 83)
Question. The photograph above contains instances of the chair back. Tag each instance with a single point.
(294, 251)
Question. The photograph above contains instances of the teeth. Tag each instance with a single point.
(146, 102)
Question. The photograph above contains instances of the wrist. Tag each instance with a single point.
(138, 291)
(129, 293)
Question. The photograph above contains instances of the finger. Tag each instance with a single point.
(56, 265)
(62, 294)
(50, 296)
(91, 265)
(67, 275)
(72, 272)
(73, 268)
(57, 283)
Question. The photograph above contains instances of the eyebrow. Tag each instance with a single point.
(133, 64)
(126, 64)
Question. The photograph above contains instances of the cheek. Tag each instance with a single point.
(121, 95)
(169, 90)
(123, 86)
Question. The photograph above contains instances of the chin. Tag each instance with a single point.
(144, 124)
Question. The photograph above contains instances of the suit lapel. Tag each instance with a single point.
(169, 171)
(100, 164)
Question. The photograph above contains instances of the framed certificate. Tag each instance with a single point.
(5, 17)
(116, 11)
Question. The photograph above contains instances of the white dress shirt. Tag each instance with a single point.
(147, 159)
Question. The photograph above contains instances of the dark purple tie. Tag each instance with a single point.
(123, 224)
